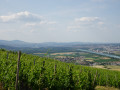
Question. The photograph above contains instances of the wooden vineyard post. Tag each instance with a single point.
(55, 69)
(7, 55)
(18, 67)
(1, 86)
(81, 70)
(68, 67)
(94, 82)
(42, 68)
(107, 80)
(43, 63)
(34, 61)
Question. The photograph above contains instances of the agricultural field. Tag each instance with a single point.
(110, 67)
(77, 57)
(116, 53)
(105, 88)
(45, 73)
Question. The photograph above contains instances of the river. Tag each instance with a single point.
(103, 54)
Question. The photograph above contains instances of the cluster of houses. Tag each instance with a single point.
(78, 60)
(81, 60)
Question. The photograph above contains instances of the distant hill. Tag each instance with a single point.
(18, 43)
(13, 48)
(7, 47)
(27, 47)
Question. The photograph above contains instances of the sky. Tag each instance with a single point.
(60, 20)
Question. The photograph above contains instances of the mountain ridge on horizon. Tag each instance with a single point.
(19, 43)
(53, 42)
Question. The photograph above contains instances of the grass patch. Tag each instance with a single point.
(105, 88)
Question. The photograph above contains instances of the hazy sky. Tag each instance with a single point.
(60, 20)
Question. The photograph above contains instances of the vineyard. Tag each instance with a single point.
(38, 73)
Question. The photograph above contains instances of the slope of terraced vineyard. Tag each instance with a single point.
(44, 73)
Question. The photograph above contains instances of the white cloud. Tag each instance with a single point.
(27, 19)
(73, 27)
(86, 23)
(47, 22)
(51, 29)
(40, 23)
(52, 22)
(21, 16)
(100, 23)
(88, 19)
(30, 24)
